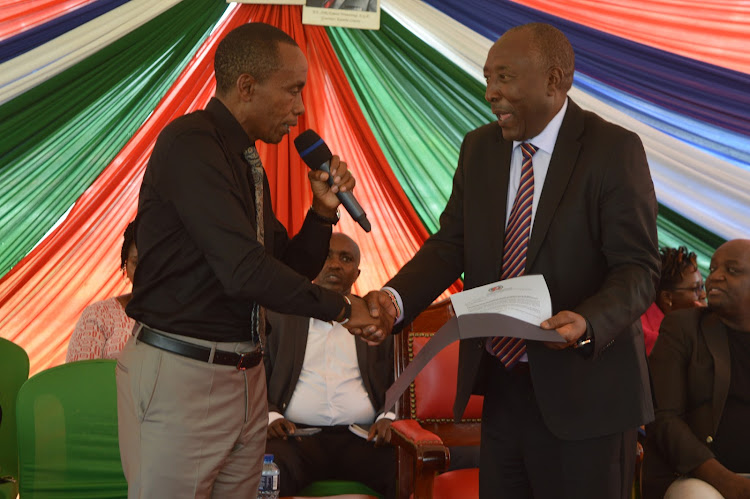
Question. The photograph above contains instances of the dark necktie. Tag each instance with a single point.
(258, 316)
(506, 348)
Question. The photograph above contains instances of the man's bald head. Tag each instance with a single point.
(728, 284)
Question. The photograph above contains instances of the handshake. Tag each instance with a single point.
(372, 317)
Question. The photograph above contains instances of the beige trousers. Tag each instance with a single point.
(188, 428)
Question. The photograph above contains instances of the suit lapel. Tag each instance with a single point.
(299, 329)
(715, 334)
(362, 359)
(561, 167)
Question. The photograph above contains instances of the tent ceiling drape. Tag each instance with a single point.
(86, 86)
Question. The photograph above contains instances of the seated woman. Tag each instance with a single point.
(103, 328)
(681, 286)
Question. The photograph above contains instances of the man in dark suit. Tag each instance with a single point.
(558, 421)
(700, 366)
(319, 375)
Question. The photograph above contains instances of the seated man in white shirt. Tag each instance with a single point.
(321, 376)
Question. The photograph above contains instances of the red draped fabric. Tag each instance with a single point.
(43, 295)
(16, 16)
(716, 32)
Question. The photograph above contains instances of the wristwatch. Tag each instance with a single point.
(347, 311)
(325, 220)
(585, 344)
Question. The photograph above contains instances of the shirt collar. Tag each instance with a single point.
(547, 138)
(236, 136)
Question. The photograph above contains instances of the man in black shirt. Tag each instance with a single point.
(212, 256)
(700, 368)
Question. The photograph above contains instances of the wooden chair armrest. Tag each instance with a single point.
(423, 452)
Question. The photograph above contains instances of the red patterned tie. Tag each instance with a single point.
(505, 348)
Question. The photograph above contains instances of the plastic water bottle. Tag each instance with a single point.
(269, 479)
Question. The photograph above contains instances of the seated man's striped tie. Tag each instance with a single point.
(506, 348)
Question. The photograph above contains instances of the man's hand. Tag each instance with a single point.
(324, 195)
(380, 431)
(569, 325)
(380, 303)
(372, 330)
(381, 310)
(729, 484)
(281, 428)
(738, 487)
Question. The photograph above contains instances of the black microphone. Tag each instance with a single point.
(315, 153)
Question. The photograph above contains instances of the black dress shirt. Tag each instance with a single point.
(200, 267)
(732, 436)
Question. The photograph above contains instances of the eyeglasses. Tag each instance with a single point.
(697, 289)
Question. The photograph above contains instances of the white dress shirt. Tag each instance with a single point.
(330, 390)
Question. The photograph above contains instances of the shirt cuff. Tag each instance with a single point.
(273, 416)
(399, 301)
(388, 415)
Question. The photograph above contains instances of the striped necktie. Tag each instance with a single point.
(506, 348)
(258, 317)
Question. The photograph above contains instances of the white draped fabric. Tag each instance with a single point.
(38, 65)
(680, 171)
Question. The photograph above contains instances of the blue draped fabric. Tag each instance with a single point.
(705, 92)
(39, 35)
(731, 147)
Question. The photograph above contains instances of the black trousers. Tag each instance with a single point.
(333, 454)
(521, 459)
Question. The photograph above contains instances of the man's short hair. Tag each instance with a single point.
(252, 48)
(553, 49)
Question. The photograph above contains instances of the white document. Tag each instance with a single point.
(514, 307)
(525, 298)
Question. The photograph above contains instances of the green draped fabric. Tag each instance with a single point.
(57, 137)
(675, 231)
(420, 105)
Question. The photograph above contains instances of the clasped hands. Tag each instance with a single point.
(372, 317)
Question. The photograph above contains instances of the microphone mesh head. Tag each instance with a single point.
(311, 148)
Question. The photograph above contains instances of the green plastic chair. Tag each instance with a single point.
(14, 370)
(67, 433)
(326, 488)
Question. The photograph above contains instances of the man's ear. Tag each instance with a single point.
(555, 78)
(246, 86)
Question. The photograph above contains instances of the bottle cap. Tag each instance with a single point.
(267, 458)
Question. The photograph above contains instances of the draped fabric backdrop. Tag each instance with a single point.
(87, 85)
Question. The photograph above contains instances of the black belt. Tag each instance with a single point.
(241, 361)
